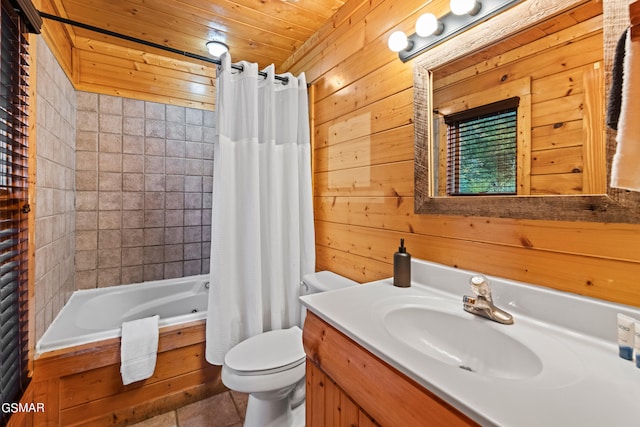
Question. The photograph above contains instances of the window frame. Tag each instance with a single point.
(520, 88)
(503, 112)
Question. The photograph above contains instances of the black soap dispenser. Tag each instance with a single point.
(402, 267)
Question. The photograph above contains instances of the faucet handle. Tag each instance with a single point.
(480, 286)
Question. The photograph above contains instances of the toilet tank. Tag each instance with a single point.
(321, 281)
(324, 281)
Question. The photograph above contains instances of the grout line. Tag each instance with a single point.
(177, 418)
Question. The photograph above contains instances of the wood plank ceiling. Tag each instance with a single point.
(262, 31)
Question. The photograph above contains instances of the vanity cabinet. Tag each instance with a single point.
(348, 386)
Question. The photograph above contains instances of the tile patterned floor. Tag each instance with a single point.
(222, 410)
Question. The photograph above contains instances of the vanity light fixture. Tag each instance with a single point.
(431, 31)
(217, 48)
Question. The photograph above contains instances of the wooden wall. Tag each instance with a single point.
(363, 113)
(363, 130)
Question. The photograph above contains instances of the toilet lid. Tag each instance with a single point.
(267, 351)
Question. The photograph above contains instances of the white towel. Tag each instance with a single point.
(138, 349)
(625, 170)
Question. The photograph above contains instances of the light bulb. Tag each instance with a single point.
(428, 24)
(217, 48)
(398, 41)
(463, 7)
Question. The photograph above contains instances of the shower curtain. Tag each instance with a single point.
(262, 236)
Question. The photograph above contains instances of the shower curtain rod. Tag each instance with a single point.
(45, 15)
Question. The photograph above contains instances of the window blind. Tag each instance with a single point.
(482, 150)
(14, 89)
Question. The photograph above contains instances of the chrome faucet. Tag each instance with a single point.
(482, 304)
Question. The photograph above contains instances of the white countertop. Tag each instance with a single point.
(583, 382)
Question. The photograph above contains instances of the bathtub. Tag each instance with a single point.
(77, 368)
(97, 314)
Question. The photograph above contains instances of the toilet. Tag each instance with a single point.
(270, 367)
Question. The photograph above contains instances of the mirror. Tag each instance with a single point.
(564, 177)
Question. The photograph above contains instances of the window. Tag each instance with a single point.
(14, 71)
(482, 150)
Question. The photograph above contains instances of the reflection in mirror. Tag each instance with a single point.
(556, 69)
(480, 148)
(555, 65)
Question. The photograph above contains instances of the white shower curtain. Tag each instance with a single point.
(262, 236)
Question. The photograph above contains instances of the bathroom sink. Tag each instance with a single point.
(556, 365)
(470, 343)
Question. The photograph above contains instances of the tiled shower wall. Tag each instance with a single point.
(143, 180)
(55, 184)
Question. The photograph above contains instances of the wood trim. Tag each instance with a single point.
(634, 19)
(58, 363)
(30, 13)
(388, 396)
(59, 38)
(593, 150)
(31, 224)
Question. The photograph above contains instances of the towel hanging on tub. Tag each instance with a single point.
(139, 349)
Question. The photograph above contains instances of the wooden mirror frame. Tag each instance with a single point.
(616, 206)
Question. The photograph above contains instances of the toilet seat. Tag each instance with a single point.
(267, 353)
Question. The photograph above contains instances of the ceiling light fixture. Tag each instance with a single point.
(217, 48)
(431, 31)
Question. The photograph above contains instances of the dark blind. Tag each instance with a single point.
(482, 150)
(14, 73)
